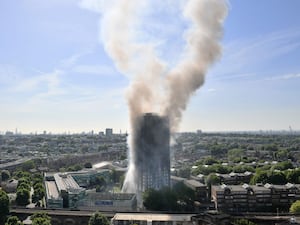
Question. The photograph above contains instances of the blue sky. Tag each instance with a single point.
(55, 74)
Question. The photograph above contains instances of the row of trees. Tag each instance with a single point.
(24, 188)
(180, 198)
(210, 165)
(39, 218)
(276, 177)
(25, 182)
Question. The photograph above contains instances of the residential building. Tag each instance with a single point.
(152, 219)
(152, 152)
(254, 198)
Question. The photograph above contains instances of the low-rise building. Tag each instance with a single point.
(235, 178)
(63, 191)
(200, 189)
(10, 186)
(108, 201)
(254, 198)
(152, 219)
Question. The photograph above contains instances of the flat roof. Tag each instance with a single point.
(66, 182)
(194, 183)
(51, 188)
(153, 217)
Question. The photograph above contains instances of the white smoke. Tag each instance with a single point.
(153, 88)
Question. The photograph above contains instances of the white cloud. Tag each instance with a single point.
(245, 54)
(94, 69)
(284, 77)
(211, 90)
(95, 5)
(50, 80)
(73, 59)
(8, 74)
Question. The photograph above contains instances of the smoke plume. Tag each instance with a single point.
(153, 87)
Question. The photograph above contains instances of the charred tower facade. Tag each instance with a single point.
(152, 152)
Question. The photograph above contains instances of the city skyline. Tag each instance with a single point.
(56, 76)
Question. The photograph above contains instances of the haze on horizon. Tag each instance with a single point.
(56, 76)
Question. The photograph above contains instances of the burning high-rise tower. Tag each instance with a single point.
(152, 152)
(158, 85)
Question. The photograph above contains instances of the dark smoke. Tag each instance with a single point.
(153, 88)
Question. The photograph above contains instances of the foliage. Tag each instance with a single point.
(22, 174)
(295, 207)
(276, 178)
(13, 220)
(260, 176)
(235, 153)
(40, 218)
(271, 147)
(243, 222)
(207, 161)
(38, 194)
(293, 176)
(23, 196)
(282, 154)
(243, 168)
(184, 172)
(76, 167)
(114, 176)
(215, 168)
(5, 175)
(283, 165)
(28, 165)
(98, 219)
(99, 182)
(185, 197)
(4, 206)
(212, 179)
(24, 188)
(38, 187)
(88, 165)
(160, 200)
(180, 198)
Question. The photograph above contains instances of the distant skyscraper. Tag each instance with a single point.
(152, 152)
(108, 131)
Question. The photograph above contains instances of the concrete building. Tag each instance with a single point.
(152, 152)
(200, 189)
(254, 198)
(63, 191)
(152, 219)
(235, 178)
(10, 186)
(108, 202)
(108, 132)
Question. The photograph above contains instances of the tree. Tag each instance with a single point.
(40, 218)
(98, 219)
(293, 176)
(184, 172)
(259, 177)
(4, 206)
(5, 175)
(152, 199)
(295, 207)
(88, 165)
(212, 179)
(38, 194)
(243, 222)
(13, 220)
(185, 197)
(276, 178)
(22, 196)
(28, 165)
(235, 153)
